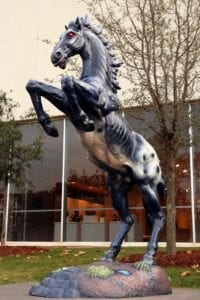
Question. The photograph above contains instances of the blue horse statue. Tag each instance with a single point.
(92, 105)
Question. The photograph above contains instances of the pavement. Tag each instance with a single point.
(20, 292)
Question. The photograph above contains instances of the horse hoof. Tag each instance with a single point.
(142, 266)
(145, 265)
(104, 258)
(110, 255)
(85, 123)
(51, 130)
(87, 126)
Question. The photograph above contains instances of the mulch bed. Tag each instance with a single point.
(18, 251)
(181, 259)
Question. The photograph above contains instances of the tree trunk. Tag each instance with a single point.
(171, 205)
(3, 228)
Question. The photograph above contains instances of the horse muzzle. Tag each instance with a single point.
(59, 58)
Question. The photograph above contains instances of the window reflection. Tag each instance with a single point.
(33, 211)
(2, 198)
(88, 196)
(196, 151)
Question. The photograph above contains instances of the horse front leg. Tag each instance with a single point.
(56, 96)
(119, 189)
(97, 96)
(79, 116)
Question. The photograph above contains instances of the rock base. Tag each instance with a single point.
(125, 281)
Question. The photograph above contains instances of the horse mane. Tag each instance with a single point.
(113, 63)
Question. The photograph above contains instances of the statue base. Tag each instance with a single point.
(103, 280)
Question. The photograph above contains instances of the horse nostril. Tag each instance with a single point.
(57, 54)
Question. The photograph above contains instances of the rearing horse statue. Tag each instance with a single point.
(91, 104)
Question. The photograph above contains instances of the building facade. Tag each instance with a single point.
(69, 201)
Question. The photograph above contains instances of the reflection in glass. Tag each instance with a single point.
(196, 152)
(1, 203)
(88, 198)
(33, 211)
(87, 193)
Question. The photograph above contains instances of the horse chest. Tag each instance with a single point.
(99, 151)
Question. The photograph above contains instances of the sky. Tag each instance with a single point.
(24, 24)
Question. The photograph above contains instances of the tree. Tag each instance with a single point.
(159, 44)
(15, 156)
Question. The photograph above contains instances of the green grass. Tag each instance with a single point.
(32, 268)
(192, 280)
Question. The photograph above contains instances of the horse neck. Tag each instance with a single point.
(94, 58)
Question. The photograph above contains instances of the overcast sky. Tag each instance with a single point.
(23, 55)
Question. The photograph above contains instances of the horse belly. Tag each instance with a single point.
(99, 151)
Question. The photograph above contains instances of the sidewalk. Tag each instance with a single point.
(20, 292)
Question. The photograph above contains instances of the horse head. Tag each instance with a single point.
(80, 37)
(71, 42)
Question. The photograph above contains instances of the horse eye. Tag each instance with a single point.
(70, 34)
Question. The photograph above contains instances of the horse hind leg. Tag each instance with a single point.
(119, 189)
(156, 219)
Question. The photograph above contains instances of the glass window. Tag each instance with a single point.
(34, 212)
(89, 209)
(90, 215)
(196, 161)
(183, 197)
(2, 198)
(146, 123)
(88, 199)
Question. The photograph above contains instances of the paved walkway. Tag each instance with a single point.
(20, 292)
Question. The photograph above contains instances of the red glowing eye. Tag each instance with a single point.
(70, 34)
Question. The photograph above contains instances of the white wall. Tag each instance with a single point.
(23, 55)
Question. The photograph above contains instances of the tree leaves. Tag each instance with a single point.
(15, 156)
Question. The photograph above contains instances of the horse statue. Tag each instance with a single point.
(92, 105)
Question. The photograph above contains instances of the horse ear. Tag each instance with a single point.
(78, 23)
(86, 21)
